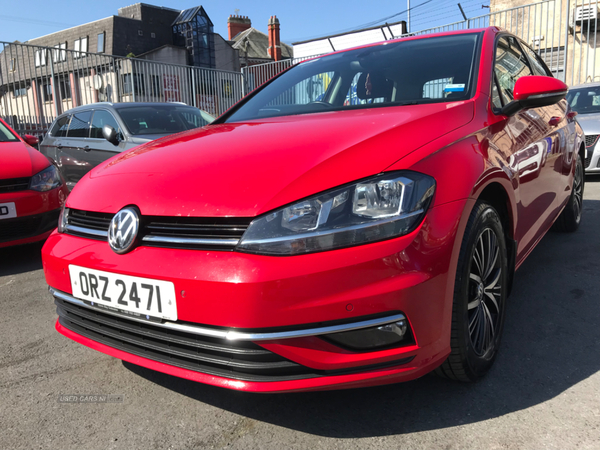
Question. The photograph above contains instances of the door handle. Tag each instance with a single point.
(59, 146)
(554, 121)
(86, 148)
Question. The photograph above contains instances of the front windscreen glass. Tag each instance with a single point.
(429, 70)
(585, 100)
(161, 119)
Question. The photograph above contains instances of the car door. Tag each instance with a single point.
(562, 133)
(99, 149)
(73, 151)
(53, 142)
(528, 138)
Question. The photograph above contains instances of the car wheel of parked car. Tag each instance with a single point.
(570, 218)
(479, 297)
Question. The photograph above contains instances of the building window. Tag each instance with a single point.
(152, 35)
(81, 47)
(40, 58)
(100, 48)
(59, 53)
(140, 33)
(136, 82)
(20, 92)
(47, 91)
(12, 65)
(65, 88)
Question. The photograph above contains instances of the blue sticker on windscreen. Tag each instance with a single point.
(454, 88)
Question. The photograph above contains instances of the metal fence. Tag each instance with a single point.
(39, 83)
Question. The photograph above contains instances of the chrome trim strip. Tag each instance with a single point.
(196, 241)
(236, 335)
(83, 230)
(361, 226)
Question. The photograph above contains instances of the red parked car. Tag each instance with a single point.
(355, 221)
(31, 190)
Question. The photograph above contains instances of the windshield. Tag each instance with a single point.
(429, 70)
(6, 135)
(162, 119)
(585, 100)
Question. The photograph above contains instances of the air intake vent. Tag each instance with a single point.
(586, 15)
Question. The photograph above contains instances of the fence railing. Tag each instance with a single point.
(39, 83)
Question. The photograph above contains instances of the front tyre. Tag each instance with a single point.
(570, 217)
(479, 297)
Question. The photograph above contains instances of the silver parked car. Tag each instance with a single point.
(585, 99)
(83, 137)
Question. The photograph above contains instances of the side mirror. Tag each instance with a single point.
(533, 92)
(31, 140)
(110, 134)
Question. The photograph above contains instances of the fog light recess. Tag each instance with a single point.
(376, 338)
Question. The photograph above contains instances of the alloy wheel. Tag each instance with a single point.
(485, 293)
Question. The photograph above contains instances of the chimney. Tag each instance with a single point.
(274, 43)
(237, 24)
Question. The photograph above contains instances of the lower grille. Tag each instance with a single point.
(587, 162)
(220, 357)
(590, 139)
(28, 226)
(14, 185)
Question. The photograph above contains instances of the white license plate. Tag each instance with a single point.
(7, 210)
(141, 297)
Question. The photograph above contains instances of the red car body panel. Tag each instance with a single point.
(237, 170)
(19, 160)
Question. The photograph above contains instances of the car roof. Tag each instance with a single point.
(585, 85)
(117, 106)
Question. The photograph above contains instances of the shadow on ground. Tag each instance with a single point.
(551, 342)
(20, 259)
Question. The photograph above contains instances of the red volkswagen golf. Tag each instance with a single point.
(31, 190)
(355, 221)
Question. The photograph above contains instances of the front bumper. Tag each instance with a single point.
(412, 275)
(592, 162)
(37, 216)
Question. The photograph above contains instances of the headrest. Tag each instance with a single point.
(373, 85)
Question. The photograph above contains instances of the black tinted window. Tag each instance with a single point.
(585, 100)
(160, 119)
(100, 119)
(429, 70)
(80, 125)
(61, 126)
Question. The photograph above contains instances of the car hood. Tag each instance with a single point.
(19, 160)
(245, 169)
(590, 123)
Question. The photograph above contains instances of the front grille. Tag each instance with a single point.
(591, 139)
(587, 162)
(215, 233)
(28, 226)
(220, 357)
(14, 185)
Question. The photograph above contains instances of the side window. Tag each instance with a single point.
(100, 119)
(80, 125)
(511, 64)
(539, 67)
(61, 126)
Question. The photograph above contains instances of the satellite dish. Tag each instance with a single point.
(98, 83)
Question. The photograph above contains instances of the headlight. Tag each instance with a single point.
(46, 180)
(371, 210)
(63, 219)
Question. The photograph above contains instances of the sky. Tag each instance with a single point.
(300, 20)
